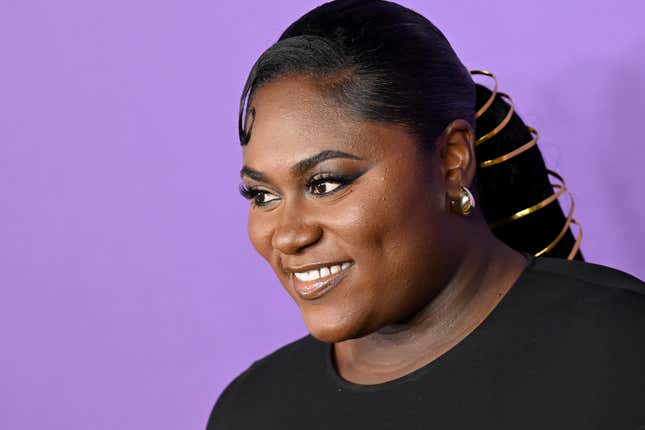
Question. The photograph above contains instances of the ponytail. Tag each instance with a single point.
(518, 183)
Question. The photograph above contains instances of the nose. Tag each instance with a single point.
(294, 232)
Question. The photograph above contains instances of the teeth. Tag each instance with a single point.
(304, 276)
(322, 273)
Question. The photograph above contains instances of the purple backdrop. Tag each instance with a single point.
(129, 294)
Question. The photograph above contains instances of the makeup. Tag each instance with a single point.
(318, 185)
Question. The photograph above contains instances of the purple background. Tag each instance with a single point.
(129, 293)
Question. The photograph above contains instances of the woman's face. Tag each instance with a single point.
(350, 214)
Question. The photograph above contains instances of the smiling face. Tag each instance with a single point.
(350, 214)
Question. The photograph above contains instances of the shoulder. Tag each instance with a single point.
(572, 333)
(580, 273)
(582, 304)
(262, 383)
(585, 323)
(580, 282)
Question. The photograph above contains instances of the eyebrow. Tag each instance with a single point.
(301, 166)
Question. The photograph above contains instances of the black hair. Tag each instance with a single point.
(383, 62)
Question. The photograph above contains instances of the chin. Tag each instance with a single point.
(329, 335)
(332, 328)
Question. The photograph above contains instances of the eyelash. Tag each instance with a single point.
(252, 193)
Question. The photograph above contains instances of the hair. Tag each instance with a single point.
(383, 62)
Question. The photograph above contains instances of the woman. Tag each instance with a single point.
(402, 206)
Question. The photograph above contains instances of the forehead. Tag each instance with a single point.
(294, 120)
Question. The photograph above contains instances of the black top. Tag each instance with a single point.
(564, 349)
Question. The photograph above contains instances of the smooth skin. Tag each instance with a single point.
(327, 187)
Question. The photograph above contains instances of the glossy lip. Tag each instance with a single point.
(311, 290)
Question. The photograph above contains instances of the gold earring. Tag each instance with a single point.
(465, 203)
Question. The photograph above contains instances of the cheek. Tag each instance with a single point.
(378, 228)
(386, 215)
(395, 234)
(259, 231)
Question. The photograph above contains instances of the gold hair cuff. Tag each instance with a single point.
(576, 245)
(567, 224)
(502, 124)
(563, 231)
(561, 188)
(513, 153)
(491, 99)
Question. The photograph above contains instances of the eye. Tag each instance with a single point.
(257, 196)
(323, 184)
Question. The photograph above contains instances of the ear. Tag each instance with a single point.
(456, 149)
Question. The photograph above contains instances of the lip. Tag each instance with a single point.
(311, 290)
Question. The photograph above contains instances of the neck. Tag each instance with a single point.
(485, 273)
